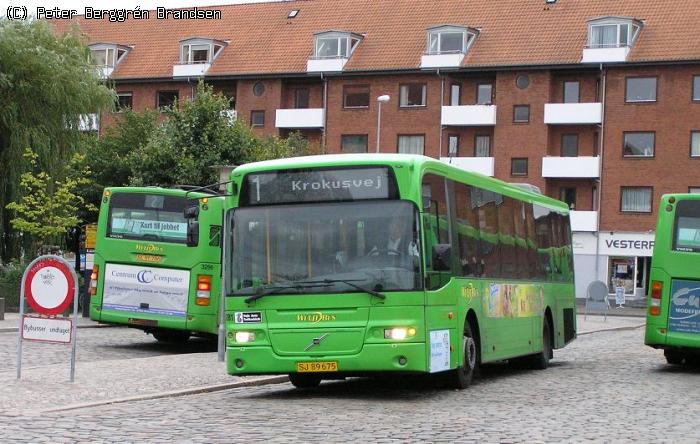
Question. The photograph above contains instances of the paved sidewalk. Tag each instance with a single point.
(11, 323)
(595, 323)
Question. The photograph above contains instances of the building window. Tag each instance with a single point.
(124, 101)
(696, 88)
(640, 89)
(301, 98)
(518, 166)
(571, 92)
(258, 89)
(568, 195)
(695, 144)
(522, 81)
(455, 90)
(411, 144)
(635, 199)
(166, 98)
(199, 51)
(521, 113)
(447, 39)
(639, 144)
(356, 96)
(107, 55)
(569, 145)
(609, 32)
(257, 118)
(452, 145)
(694, 190)
(353, 143)
(412, 94)
(334, 45)
(484, 94)
(482, 146)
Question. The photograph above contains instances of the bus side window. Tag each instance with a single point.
(436, 223)
(533, 262)
(521, 246)
(543, 230)
(467, 232)
(487, 202)
(506, 238)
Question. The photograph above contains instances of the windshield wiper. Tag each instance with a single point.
(265, 291)
(373, 292)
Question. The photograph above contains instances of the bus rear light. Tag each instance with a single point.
(203, 290)
(93, 280)
(656, 291)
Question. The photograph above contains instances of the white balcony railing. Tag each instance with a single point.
(441, 60)
(483, 165)
(300, 118)
(469, 115)
(190, 69)
(584, 221)
(573, 113)
(570, 167)
(326, 65)
(605, 54)
(88, 122)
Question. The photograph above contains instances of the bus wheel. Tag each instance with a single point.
(303, 381)
(462, 377)
(540, 361)
(673, 357)
(172, 337)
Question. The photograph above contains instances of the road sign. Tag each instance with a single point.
(620, 296)
(90, 236)
(48, 285)
(57, 330)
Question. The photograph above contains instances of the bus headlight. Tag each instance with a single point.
(245, 336)
(399, 333)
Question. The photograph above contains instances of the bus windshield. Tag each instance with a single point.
(687, 234)
(369, 243)
(147, 217)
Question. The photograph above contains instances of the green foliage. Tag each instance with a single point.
(46, 83)
(10, 277)
(49, 207)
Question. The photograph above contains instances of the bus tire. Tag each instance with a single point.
(540, 361)
(172, 337)
(674, 357)
(303, 381)
(462, 377)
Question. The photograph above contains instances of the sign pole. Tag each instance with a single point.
(21, 325)
(75, 325)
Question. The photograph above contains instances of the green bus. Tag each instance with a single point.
(673, 303)
(145, 276)
(351, 265)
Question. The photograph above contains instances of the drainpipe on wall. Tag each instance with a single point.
(442, 101)
(325, 113)
(601, 152)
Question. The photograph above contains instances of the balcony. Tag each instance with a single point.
(300, 118)
(584, 221)
(469, 115)
(190, 69)
(573, 113)
(605, 54)
(441, 61)
(482, 165)
(326, 65)
(570, 167)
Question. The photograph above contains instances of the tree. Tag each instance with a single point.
(49, 207)
(46, 83)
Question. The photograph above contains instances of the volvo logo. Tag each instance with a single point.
(315, 342)
(145, 276)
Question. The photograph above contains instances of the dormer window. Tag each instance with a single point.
(335, 44)
(194, 51)
(107, 55)
(448, 39)
(613, 32)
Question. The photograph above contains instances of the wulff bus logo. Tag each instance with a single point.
(315, 317)
(469, 293)
(148, 248)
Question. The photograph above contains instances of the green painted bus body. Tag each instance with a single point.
(670, 266)
(355, 322)
(205, 259)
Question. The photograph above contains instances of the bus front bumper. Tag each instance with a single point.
(372, 358)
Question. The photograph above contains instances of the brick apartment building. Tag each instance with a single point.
(596, 102)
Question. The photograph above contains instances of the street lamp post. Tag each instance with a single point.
(380, 100)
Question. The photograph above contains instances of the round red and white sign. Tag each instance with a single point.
(49, 286)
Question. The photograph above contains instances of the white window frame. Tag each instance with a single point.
(404, 104)
(408, 139)
(636, 188)
(186, 47)
(633, 28)
(113, 53)
(435, 35)
(346, 44)
(694, 135)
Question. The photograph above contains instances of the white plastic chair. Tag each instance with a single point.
(597, 296)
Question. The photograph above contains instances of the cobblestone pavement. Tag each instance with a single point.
(94, 344)
(605, 386)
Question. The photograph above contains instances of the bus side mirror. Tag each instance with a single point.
(442, 257)
(192, 233)
(192, 212)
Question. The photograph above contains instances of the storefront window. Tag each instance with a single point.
(622, 273)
